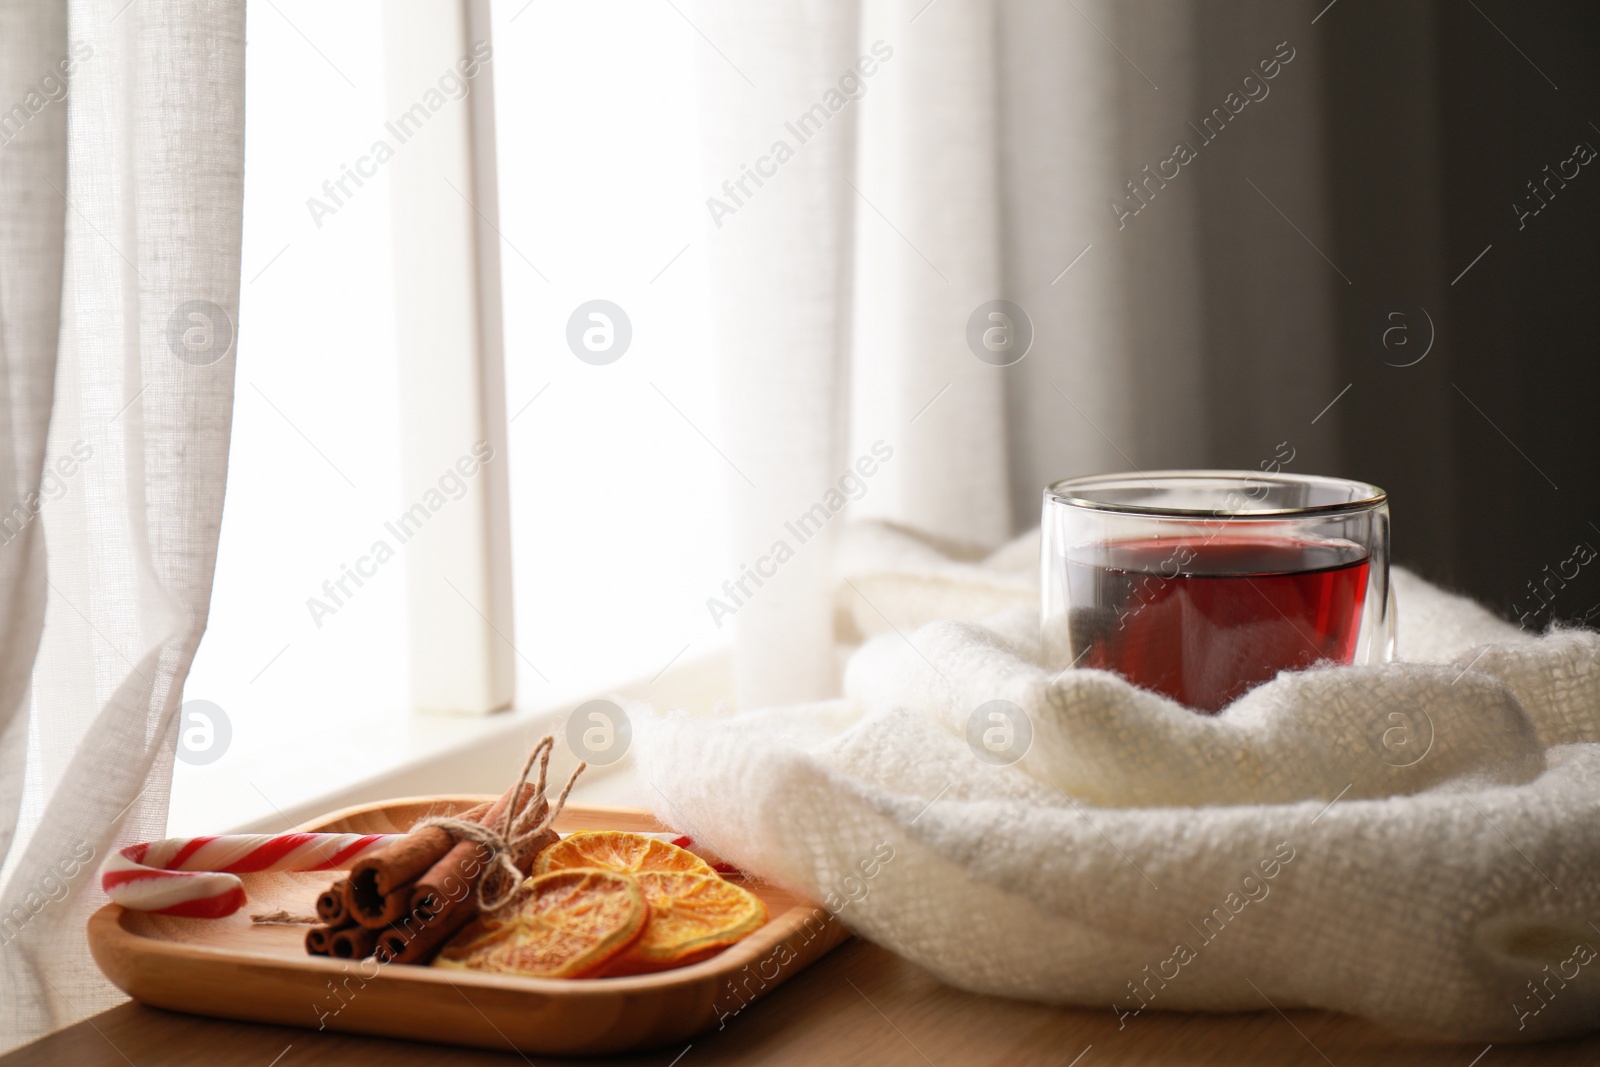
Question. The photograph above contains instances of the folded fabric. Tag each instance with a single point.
(1416, 843)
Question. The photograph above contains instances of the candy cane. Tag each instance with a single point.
(196, 877)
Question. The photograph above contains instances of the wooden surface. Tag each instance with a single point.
(230, 968)
(857, 1005)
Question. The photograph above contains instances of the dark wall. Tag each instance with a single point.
(1436, 120)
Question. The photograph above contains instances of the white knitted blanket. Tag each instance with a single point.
(1417, 843)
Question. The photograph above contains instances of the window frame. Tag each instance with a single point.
(444, 202)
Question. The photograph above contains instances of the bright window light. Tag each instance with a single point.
(618, 502)
(618, 499)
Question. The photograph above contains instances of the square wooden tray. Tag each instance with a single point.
(232, 969)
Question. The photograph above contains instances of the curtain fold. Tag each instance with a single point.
(1004, 150)
(929, 249)
(781, 268)
(119, 279)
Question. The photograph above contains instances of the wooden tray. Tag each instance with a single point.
(233, 969)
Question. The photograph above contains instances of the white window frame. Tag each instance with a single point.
(451, 360)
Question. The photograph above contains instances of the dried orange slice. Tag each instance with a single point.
(569, 924)
(616, 850)
(692, 916)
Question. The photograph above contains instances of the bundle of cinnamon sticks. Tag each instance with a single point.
(403, 902)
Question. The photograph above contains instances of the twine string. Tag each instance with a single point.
(283, 918)
(519, 827)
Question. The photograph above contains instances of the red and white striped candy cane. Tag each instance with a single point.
(197, 877)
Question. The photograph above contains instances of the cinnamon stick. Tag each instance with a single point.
(317, 939)
(420, 937)
(453, 880)
(352, 943)
(377, 912)
(332, 908)
(378, 876)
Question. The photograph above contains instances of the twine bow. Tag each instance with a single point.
(520, 827)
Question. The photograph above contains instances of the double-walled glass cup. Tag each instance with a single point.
(1202, 584)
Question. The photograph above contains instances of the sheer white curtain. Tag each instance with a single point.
(967, 152)
(119, 273)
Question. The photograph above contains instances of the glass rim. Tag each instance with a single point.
(1068, 491)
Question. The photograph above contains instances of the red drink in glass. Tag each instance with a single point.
(1202, 620)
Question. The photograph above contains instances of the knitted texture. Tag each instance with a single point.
(1416, 843)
